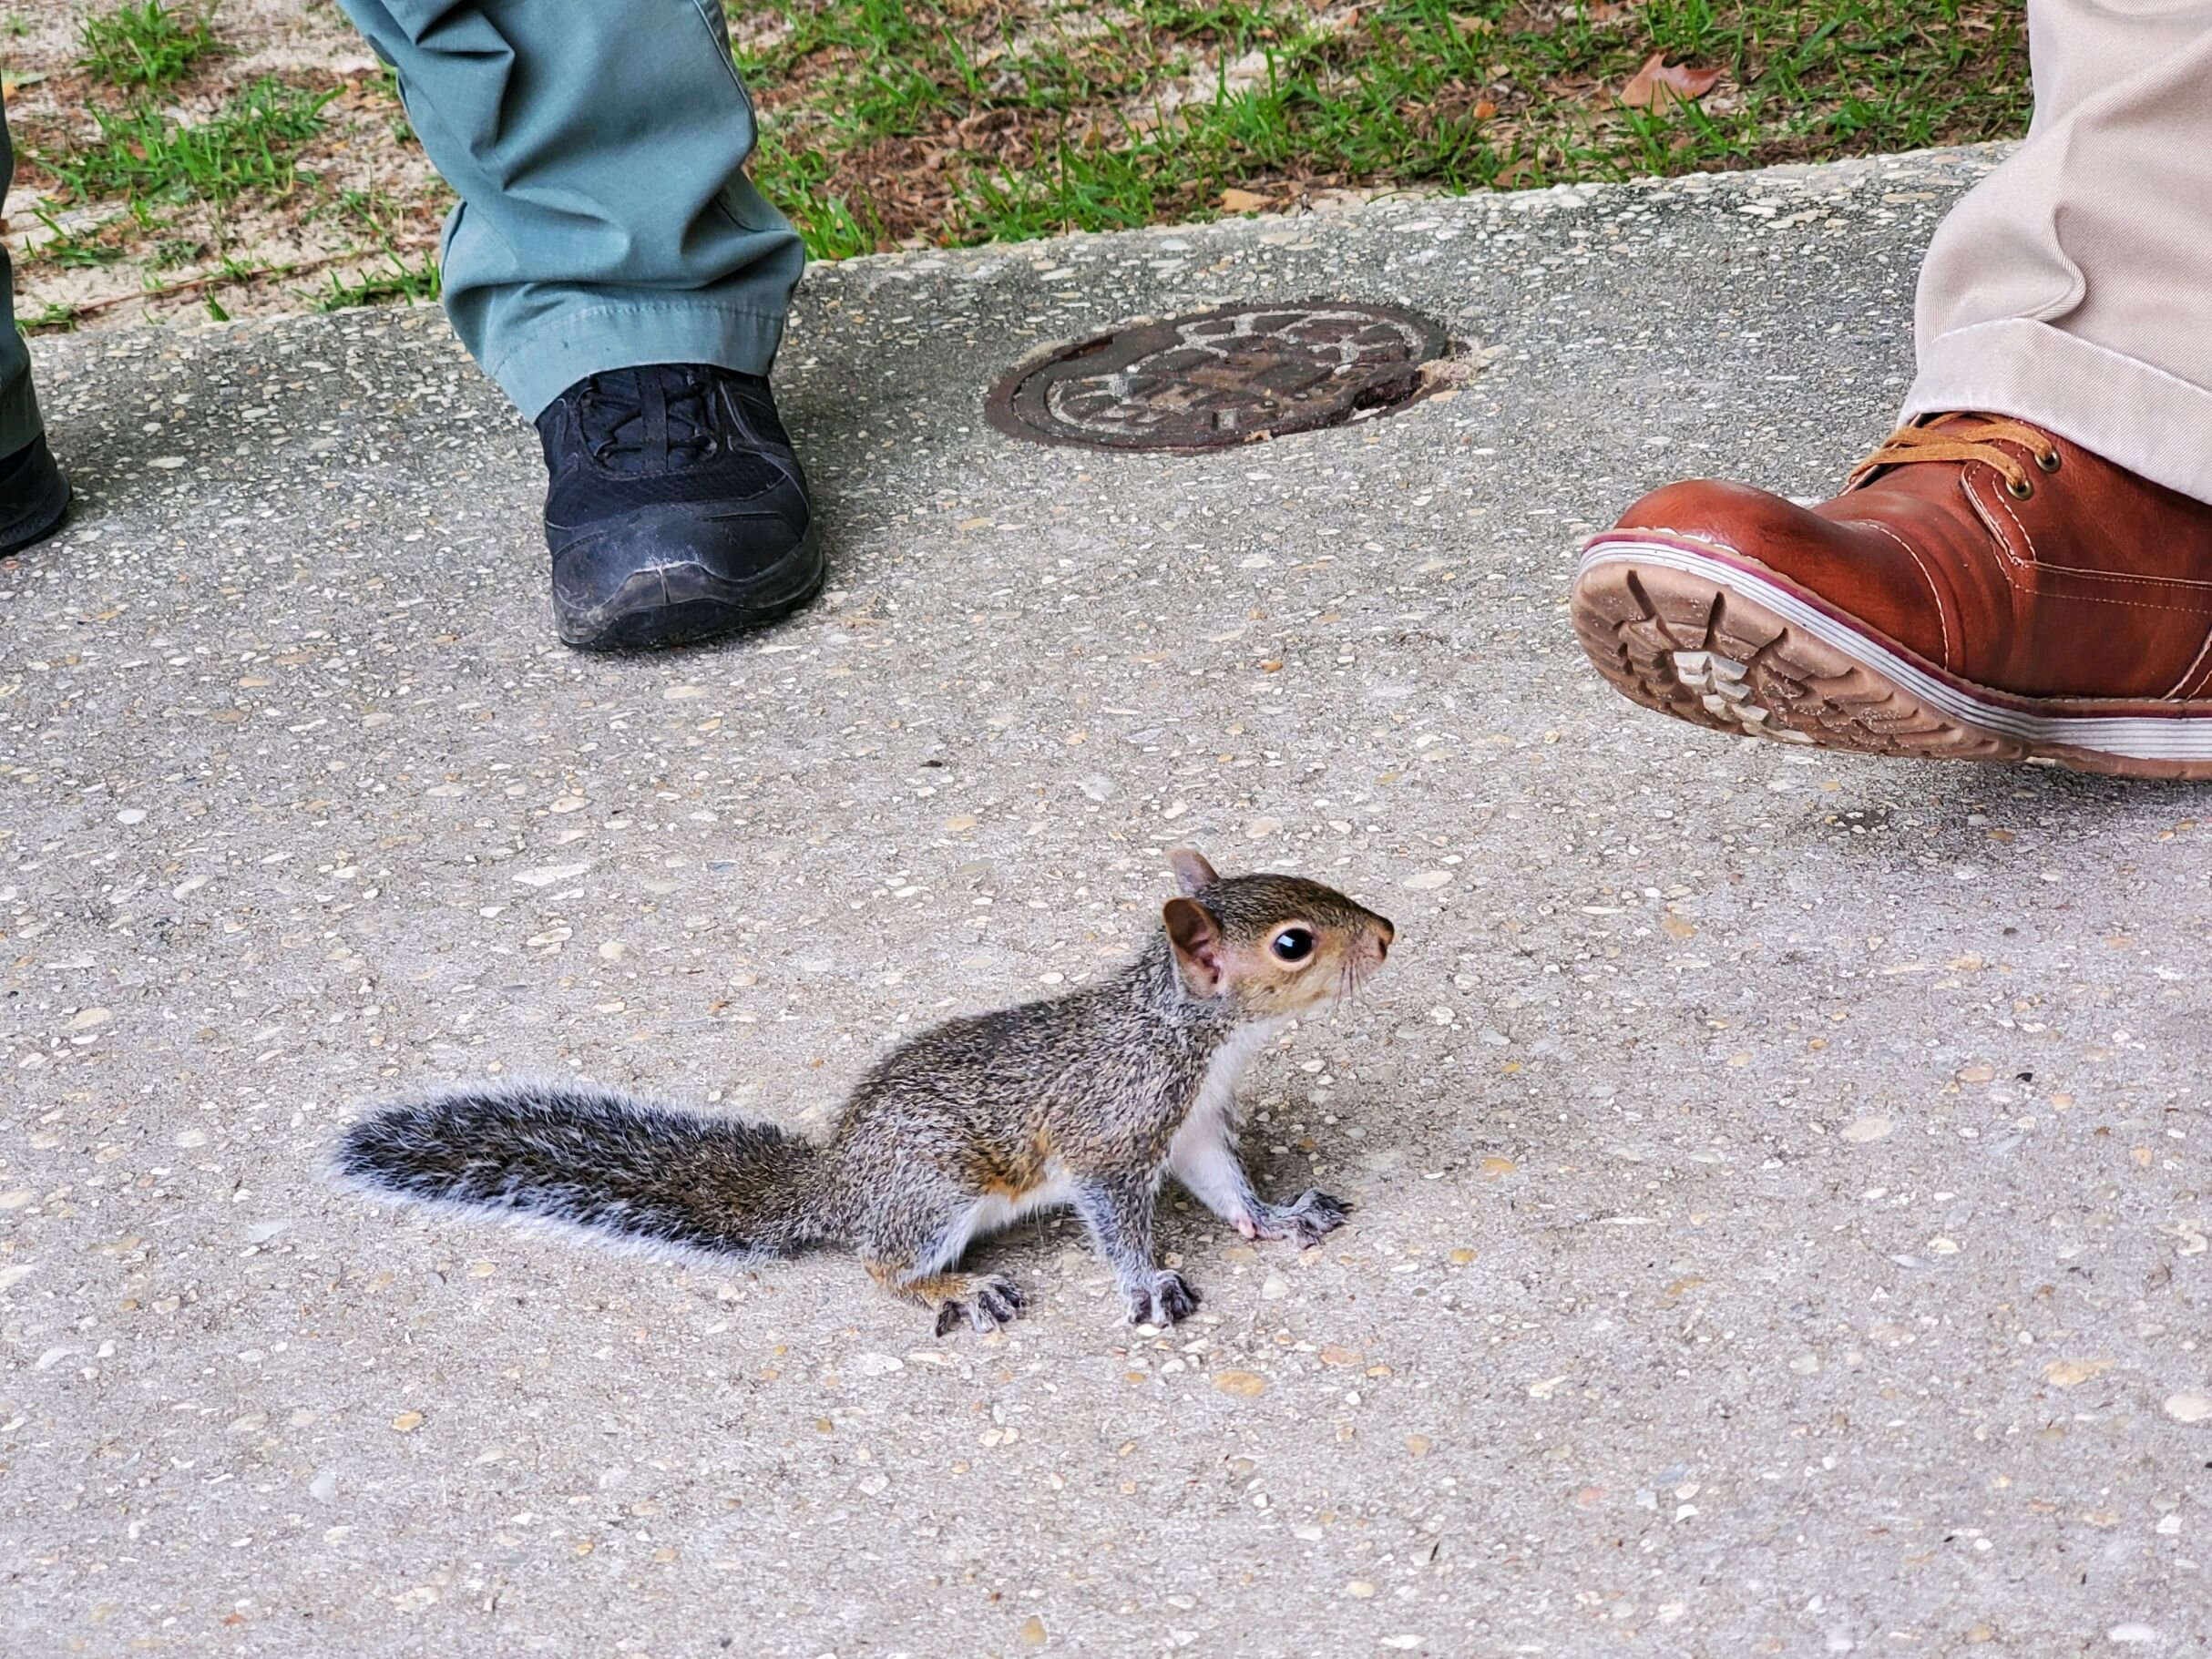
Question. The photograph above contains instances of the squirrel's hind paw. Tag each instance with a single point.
(1169, 1299)
(991, 1302)
(1313, 1217)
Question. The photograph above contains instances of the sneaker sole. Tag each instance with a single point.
(684, 604)
(1712, 642)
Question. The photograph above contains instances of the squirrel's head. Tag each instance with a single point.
(1272, 946)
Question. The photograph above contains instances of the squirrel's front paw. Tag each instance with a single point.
(1168, 1299)
(1313, 1217)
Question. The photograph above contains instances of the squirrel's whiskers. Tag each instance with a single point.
(1090, 1098)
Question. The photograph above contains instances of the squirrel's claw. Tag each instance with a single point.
(996, 1301)
(1168, 1300)
(1313, 1217)
(1316, 1214)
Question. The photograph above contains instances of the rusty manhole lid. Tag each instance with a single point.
(1220, 377)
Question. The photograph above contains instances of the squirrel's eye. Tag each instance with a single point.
(1294, 943)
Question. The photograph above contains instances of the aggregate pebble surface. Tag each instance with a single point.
(1781, 1214)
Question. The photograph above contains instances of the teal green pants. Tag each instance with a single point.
(19, 422)
(598, 147)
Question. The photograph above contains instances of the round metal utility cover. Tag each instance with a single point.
(1220, 377)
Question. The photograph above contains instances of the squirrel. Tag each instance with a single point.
(1088, 1099)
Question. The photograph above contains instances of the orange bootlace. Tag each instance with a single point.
(1961, 442)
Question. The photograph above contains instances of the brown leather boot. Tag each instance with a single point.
(1981, 590)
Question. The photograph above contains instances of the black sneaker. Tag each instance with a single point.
(34, 496)
(675, 508)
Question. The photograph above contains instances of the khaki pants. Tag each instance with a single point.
(2073, 288)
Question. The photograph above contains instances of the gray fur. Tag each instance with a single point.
(1089, 1098)
(573, 1156)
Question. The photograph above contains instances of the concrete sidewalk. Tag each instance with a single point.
(1782, 1195)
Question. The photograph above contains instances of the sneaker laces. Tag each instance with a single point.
(639, 420)
(1965, 437)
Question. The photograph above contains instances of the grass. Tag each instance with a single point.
(73, 252)
(888, 123)
(398, 281)
(51, 318)
(144, 155)
(162, 168)
(399, 128)
(963, 121)
(170, 252)
(145, 46)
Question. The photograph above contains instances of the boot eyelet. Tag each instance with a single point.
(2019, 491)
(2049, 460)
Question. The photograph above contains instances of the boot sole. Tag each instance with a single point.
(1725, 647)
(684, 604)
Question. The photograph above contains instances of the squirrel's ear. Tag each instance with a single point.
(1196, 939)
(1193, 875)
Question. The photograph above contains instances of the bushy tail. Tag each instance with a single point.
(653, 1177)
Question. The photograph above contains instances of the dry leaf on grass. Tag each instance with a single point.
(1659, 84)
(1244, 201)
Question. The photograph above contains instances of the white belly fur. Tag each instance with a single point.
(1213, 1108)
(988, 1215)
(1209, 1119)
